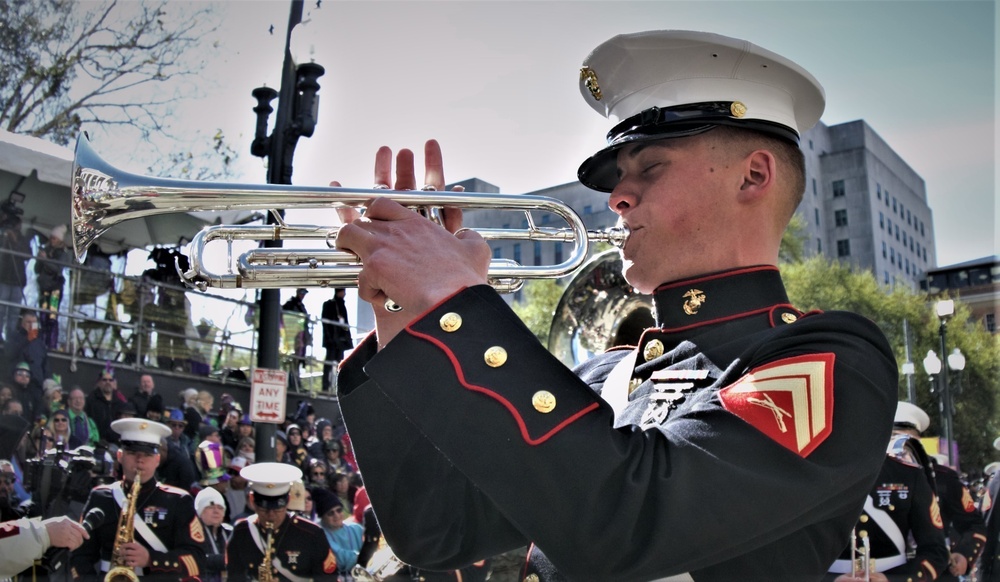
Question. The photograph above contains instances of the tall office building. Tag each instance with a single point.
(863, 204)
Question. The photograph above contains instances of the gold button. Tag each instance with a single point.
(633, 384)
(531, 578)
(892, 508)
(738, 109)
(862, 533)
(495, 357)
(154, 563)
(789, 317)
(544, 401)
(451, 321)
(653, 350)
(864, 519)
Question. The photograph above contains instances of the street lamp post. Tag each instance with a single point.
(295, 118)
(932, 365)
(944, 310)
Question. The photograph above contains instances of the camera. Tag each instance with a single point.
(10, 212)
(61, 476)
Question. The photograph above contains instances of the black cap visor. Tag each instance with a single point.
(270, 502)
(600, 171)
(141, 447)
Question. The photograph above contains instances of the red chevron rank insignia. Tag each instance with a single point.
(790, 400)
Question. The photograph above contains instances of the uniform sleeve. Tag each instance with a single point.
(83, 560)
(959, 507)
(932, 556)
(186, 554)
(453, 403)
(21, 543)
(237, 556)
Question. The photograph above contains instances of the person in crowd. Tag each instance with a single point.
(332, 450)
(318, 474)
(345, 538)
(26, 392)
(83, 427)
(340, 485)
(236, 493)
(10, 501)
(49, 265)
(15, 249)
(281, 448)
(13, 407)
(246, 450)
(6, 393)
(704, 170)
(60, 426)
(143, 392)
(322, 432)
(203, 405)
(298, 334)
(178, 431)
(192, 413)
(229, 428)
(211, 460)
(336, 333)
(25, 345)
(23, 541)
(963, 523)
(244, 428)
(298, 544)
(154, 410)
(104, 404)
(211, 508)
(169, 538)
(297, 452)
(177, 468)
(52, 395)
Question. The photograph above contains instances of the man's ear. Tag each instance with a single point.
(758, 174)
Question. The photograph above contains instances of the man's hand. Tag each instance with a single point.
(958, 565)
(135, 554)
(65, 533)
(406, 257)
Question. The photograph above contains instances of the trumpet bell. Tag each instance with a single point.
(597, 311)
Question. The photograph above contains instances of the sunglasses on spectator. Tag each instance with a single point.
(60, 419)
(22, 373)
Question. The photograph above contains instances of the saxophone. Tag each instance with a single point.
(119, 572)
(264, 571)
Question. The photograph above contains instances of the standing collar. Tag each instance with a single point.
(718, 297)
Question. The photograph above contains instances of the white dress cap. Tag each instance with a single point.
(140, 432)
(674, 83)
(912, 415)
(271, 479)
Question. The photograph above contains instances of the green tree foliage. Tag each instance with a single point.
(541, 296)
(818, 283)
(66, 64)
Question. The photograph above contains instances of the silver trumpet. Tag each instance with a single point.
(103, 196)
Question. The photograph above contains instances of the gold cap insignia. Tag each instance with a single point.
(589, 78)
(738, 109)
(143, 426)
(789, 317)
(694, 300)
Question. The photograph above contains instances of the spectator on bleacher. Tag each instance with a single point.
(317, 473)
(84, 430)
(229, 428)
(281, 448)
(323, 432)
(178, 435)
(189, 400)
(14, 251)
(104, 404)
(154, 410)
(143, 392)
(176, 467)
(296, 449)
(51, 260)
(332, 450)
(236, 494)
(244, 428)
(52, 395)
(26, 392)
(340, 484)
(61, 433)
(210, 506)
(25, 346)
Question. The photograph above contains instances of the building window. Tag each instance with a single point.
(810, 144)
(819, 246)
(991, 322)
(907, 263)
(815, 189)
(925, 254)
(888, 222)
(588, 209)
(908, 217)
(892, 256)
(840, 217)
(901, 214)
(843, 248)
(497, 254)
(559, 254)
(887, 199)
(538, 253)
(921, 228)
(878, 190)
(886, 277)
(816, 212)
(838, 188)
(885, 253)
(894, 205)
(517, 253)
(881, 220)
(904, 239)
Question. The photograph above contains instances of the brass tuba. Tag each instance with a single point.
(597, 311)
(119, 572)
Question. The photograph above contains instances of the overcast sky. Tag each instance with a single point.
(496, 84)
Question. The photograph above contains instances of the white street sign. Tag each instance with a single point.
(268, 392)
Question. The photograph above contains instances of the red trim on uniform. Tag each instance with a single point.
(726, 318)
(930, 569)
(506, 403)
(9, 529)
(770, 316)
(719, 275)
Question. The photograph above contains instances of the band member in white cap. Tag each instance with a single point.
(168, 537)
(741, 437)
(962, 521)
(297, 547)
(989, 564)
